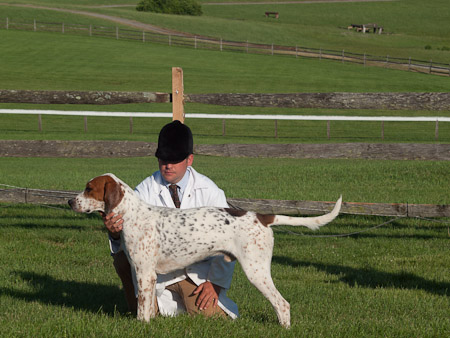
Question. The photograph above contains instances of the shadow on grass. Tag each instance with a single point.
(372, 278)
(78, 295)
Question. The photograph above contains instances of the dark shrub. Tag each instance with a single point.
(180, 7)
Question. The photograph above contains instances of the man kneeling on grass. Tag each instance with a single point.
(200, 288)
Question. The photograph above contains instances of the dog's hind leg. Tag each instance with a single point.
(255, 260)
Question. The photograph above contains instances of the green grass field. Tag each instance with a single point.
(57, 278)
(422, 182)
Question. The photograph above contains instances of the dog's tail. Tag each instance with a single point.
(312, 223)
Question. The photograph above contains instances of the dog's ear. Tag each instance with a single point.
(113, 195)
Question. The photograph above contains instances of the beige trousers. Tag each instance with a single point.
(184, 289)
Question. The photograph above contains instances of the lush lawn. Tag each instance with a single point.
(57, 280)
(287, 179)
(52, 61)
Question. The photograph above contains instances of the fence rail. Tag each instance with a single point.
(201, 42)
(37, 196)
(224, 117)
(232, 116)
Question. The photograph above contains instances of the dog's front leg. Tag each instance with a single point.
(147, 307)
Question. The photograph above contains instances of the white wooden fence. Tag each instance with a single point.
(224, 117)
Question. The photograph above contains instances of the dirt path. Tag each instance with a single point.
(122, 21)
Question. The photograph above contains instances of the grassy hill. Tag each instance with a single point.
(411, 28)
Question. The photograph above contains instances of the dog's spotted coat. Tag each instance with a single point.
(160, 240)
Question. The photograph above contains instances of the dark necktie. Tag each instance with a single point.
(174, 192)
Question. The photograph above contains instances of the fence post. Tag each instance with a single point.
(34, 25)
(220, 44)
(40, 122)
(276, 128)
(85, 124)
(90, 30)
(343, 53)
(63, 27)
(431, 65)
(246, 47)
(170, 40)
(143, 36)
(436, 130)
(7, 23)
(296, 51)
(320, 54)
(382, 130)
(117, 32)
(409, 64)
(272, 48)
(364, 59)
(223, 128)
(195, 41)
(177, 94)
(328, 129)
(131, 124)
(387, 60)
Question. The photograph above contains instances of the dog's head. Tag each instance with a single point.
(102, 193)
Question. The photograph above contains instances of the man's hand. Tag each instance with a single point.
(114, 224)
(208, 295)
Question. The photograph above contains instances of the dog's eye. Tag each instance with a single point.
(88, 189)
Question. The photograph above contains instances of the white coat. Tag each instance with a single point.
(200, 191)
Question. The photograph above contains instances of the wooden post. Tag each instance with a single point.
(220, 44)
(90, 30)
(296, 51)
(117, 32)
(328, 129)
(195, 40)
(409, 64)
(63, 28)
(170, 40)
(131, 124)
(34, 25)
(40, 122)
(343, 54)
(276, 128)
(382, 130)
(143, 36)
(223, 128)
(7, 23)
(272, 48)
(177, 94)
(85, 124)
(431, 66)
(364, 59)
(320, 54)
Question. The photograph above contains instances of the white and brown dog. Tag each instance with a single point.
(160, 240)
